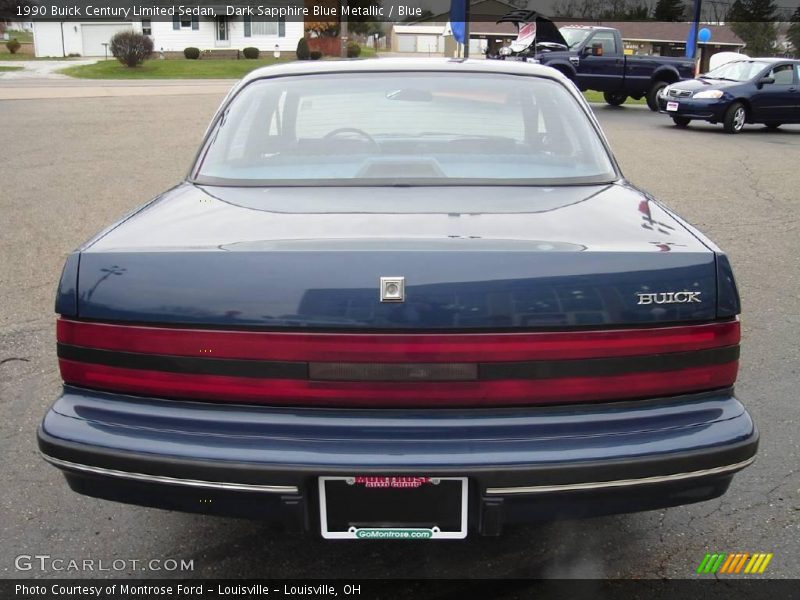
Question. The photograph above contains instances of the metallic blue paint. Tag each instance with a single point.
(494, 448)
(765, 103)
(391, 439)
(67, 292)
(472, 258)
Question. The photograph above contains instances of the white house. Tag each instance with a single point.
(87, 38)
(19, 25)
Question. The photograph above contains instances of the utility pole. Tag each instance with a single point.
(466, 27)
(343, 28)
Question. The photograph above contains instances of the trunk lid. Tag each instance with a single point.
(492, 258)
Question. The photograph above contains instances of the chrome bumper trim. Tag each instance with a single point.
(195, 483)
(600, 485)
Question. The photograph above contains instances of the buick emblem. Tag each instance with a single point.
(393, 289)
(668, 297)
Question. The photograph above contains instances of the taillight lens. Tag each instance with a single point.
(393, 370)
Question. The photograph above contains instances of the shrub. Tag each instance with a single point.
(250, 52)
(353, 50)
(315, 55)
(13, 45)
(303, 52)
(130, 48)
(191, 53)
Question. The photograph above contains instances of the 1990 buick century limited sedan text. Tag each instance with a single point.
(400, 298)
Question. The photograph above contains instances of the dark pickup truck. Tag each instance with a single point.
(594, 58)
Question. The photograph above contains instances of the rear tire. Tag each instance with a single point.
(614, 98)
(772, 125)
(652, 95)
(681, 121)
(735, 118)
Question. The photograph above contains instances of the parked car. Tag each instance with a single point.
(756, 90)
(594, 58)
(400, 299)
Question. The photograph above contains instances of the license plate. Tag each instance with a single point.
(672, 106)
(393, 508)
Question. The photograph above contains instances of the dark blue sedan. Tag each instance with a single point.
(758, 90)
(400, 299)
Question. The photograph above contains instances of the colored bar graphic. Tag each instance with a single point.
(765, 563)
(741, 562)
(728, 564)
(704, 564)
(734, 563)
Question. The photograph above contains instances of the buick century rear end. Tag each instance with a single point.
(400, 299)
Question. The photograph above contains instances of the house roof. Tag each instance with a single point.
(430, 29)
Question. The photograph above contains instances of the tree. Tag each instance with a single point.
(130, 48)
(361, 24)
(602, 10)
(670, 10)
(754, 22)
(794, 32)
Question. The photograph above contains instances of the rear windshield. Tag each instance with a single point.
(403, 128)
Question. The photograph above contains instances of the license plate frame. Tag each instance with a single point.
(380, 494)
(673, 106)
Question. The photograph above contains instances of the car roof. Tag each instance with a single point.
(399, 65)
(767, 59)
(592, 27)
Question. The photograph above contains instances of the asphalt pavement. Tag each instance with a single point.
(70, 166)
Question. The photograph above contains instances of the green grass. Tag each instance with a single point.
(22, 36)
(4, 69)
(208, 68)
(204, 68)
(598, 97)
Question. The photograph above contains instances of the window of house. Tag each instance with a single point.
(147, 27)
(265, 28)
(253, 28)
(185, 22)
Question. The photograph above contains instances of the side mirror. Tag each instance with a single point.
(765, 81)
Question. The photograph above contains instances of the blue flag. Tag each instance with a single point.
(691, 40)
(458, 14)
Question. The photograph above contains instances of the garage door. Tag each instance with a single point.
(428, 43)
(94, 36)
(406, 43)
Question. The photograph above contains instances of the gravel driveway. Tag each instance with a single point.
(41, 69)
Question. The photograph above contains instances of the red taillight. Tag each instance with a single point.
(472, 369)
(397, 347)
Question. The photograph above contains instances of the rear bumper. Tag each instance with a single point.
(523, 464)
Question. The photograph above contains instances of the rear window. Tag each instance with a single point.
(403, 128)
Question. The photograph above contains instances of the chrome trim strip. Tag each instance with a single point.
(599, 485)
(196, 483)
